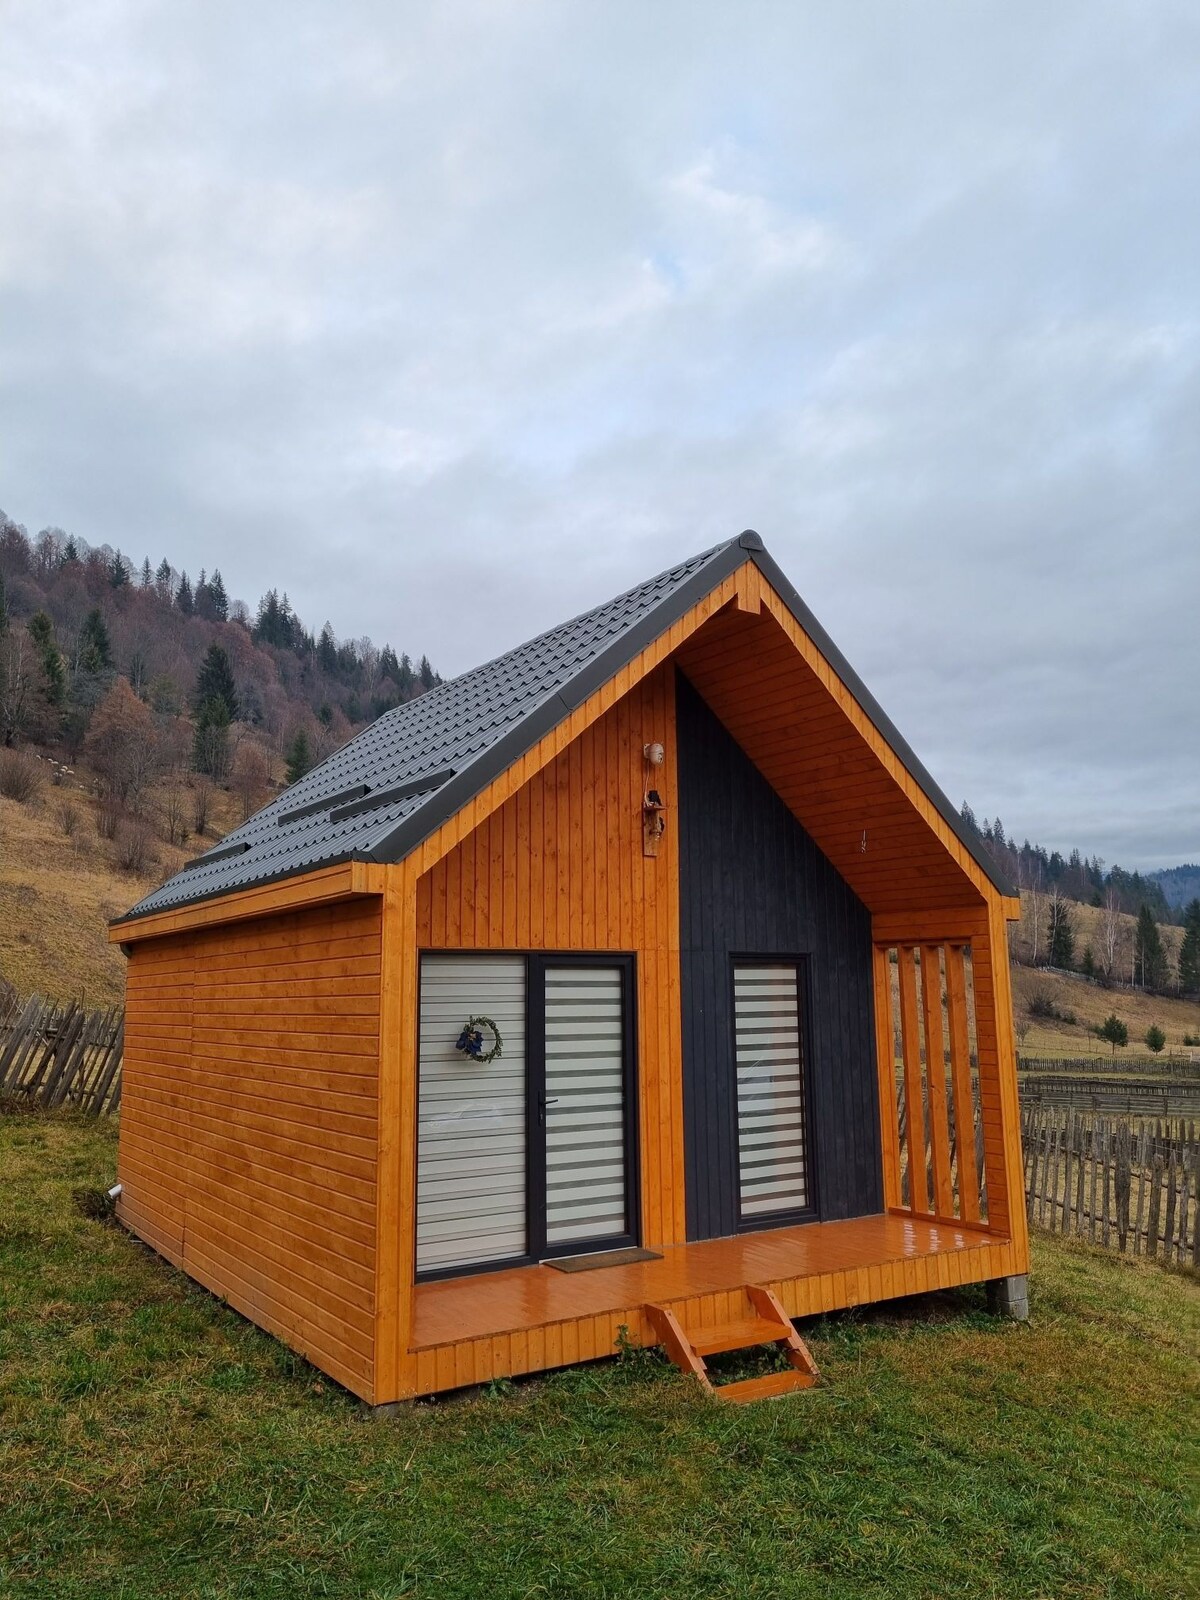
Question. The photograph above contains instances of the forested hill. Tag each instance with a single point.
(74, 619)
(1078, 877)
(1180, 885)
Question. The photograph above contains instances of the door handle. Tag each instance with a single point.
(542, 1104)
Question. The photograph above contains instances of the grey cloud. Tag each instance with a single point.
(518, 303)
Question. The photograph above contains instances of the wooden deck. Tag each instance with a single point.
(529, 1319)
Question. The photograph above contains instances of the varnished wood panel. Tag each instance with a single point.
(818, 750)
(249, 1120)
(531, 1318)
(561, 866)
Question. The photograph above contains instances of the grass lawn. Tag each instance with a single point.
(154, 1444)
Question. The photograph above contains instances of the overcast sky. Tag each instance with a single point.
(455, 319)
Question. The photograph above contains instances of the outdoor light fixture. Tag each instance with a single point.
(654, 754)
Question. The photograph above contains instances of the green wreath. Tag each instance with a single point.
(470, 1040)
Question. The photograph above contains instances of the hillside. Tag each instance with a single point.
(1072, 995)
(59, 889)
(74, 620)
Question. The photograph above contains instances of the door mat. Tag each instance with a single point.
(602, 1258)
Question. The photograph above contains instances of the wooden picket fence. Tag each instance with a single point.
(62, 1055)
(1133, 1187)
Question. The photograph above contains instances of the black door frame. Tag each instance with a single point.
(810, 1210)
(536, 1248)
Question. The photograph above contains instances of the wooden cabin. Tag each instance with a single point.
(747, 975)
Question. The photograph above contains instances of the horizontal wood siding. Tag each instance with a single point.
(753, 882)
(249, 1120)
(560, 865)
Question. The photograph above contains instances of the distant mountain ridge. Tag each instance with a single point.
(1180, 885)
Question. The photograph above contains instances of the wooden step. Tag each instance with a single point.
(770, 1387)
(736, 1336)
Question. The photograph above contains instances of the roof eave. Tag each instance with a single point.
(883, 723)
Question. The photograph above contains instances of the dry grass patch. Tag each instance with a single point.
(58, 892)
(1091, 1005)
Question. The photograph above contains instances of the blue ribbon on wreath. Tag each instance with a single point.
(470, 1040)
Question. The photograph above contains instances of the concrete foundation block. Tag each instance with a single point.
(1009, 1297)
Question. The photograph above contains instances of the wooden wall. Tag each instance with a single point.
(560, 866)
(752, 882)
(249, 1120)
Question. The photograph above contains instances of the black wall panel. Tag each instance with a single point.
(752, 882)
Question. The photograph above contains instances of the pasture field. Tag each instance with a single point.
(154, 1445)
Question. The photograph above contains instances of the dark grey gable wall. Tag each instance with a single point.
(752, 882)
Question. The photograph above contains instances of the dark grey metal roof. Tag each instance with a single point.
(385, 791)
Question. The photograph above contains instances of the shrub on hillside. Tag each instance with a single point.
(67, 813)
(20, 776)
(1041, 1005)
(108, 817)
(1155, 1038)
(135, 847)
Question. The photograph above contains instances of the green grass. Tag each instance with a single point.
(154, 1444)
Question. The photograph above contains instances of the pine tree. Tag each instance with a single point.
(327, 655)
(1061, 933)
(41, 631)
(163, 580)
(426, 674)
(215, 682)
(118, 572)
(183, 596)
(1155, 1038)
(218, 600)
(200, 596)
(1189, 950)
(405, 680)
(70, 550)
(1149, 959)
(210, 741)
(1114, 1031)
(1088, 965)
(389, 667)
(299, 757)
(147, 575)
(95, 650)
(3, 607)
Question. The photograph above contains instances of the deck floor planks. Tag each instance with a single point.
(862, 1257)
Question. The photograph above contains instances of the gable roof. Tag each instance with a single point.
(392, 785)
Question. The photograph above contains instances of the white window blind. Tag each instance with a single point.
(770, 1087)
(585, 1104)
(471, 1117)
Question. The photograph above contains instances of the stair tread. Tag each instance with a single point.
(736, 1335)
(764, 1388)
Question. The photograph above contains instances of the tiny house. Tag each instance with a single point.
(640, 979)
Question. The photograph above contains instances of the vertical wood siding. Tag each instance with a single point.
(249, 1122)
(560, 866)
(752, 882)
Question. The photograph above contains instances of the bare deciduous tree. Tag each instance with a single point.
(122, 743)
(251, 775)
(1110, 934)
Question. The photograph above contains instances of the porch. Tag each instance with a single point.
(529, 1319)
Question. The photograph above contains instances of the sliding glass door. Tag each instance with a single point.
(532, 1154)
